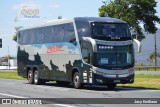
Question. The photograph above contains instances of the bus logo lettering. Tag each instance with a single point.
(54, 49)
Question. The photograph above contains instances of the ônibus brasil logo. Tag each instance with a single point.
(30, 12)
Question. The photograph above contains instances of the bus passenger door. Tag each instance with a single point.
(87, 52)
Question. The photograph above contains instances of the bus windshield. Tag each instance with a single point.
(102, 30)
(114, 56)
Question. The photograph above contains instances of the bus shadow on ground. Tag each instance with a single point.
(97, 87)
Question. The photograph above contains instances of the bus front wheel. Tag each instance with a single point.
(76, 80)
(30, 77)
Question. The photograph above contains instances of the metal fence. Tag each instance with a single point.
(8, 70)
(147, 68)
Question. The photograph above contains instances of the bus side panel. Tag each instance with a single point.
(29, 61)
(54, 61)
(21, 63)
(21, 57)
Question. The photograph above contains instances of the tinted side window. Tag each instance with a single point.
(55, 33)
(69, 33)
(83, 28)
(25, 37)
(35, 36)
(32, 36)
(49, 34)
(59, 33)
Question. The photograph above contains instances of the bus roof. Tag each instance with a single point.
(100, 19)
(89, 19)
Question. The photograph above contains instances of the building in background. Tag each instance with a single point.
(6, 63)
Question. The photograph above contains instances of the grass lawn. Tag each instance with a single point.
(10, 75)
(145, 81)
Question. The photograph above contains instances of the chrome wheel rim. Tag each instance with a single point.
(30, 76)
(76, 80)
(35, 77)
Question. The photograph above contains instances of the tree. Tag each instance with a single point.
(16, 33)
(134, 12)
(151, 57)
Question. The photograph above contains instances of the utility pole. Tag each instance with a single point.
(8, 59)
(0, 43)
(155, 46)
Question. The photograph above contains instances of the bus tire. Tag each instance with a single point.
(111, 86)
(30, 77)
(37, 81)
(76, 81)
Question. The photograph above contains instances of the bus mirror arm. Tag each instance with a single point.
(139, 45)
(92, 41)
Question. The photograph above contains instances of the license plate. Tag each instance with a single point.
(116, 81)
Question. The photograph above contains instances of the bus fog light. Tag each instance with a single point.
(90, 74)
(85, 74)
(90, 80)
(85, 81)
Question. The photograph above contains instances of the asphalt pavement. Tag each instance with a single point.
(21, 89)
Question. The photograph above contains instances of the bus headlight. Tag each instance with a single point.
(99, 73)
(131, 71)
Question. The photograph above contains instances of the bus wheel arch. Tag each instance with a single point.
(76, 78)
(34, 69)
(74, 70)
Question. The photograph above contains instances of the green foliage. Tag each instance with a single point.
(134, 12)
(151, 57)
(16, 33)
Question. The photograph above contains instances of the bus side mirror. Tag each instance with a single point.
(139, 45)
(134, 36)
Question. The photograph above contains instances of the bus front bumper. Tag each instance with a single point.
(118, 79)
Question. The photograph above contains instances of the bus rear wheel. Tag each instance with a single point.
(38, 81)
(76, 81)
(30, 77)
